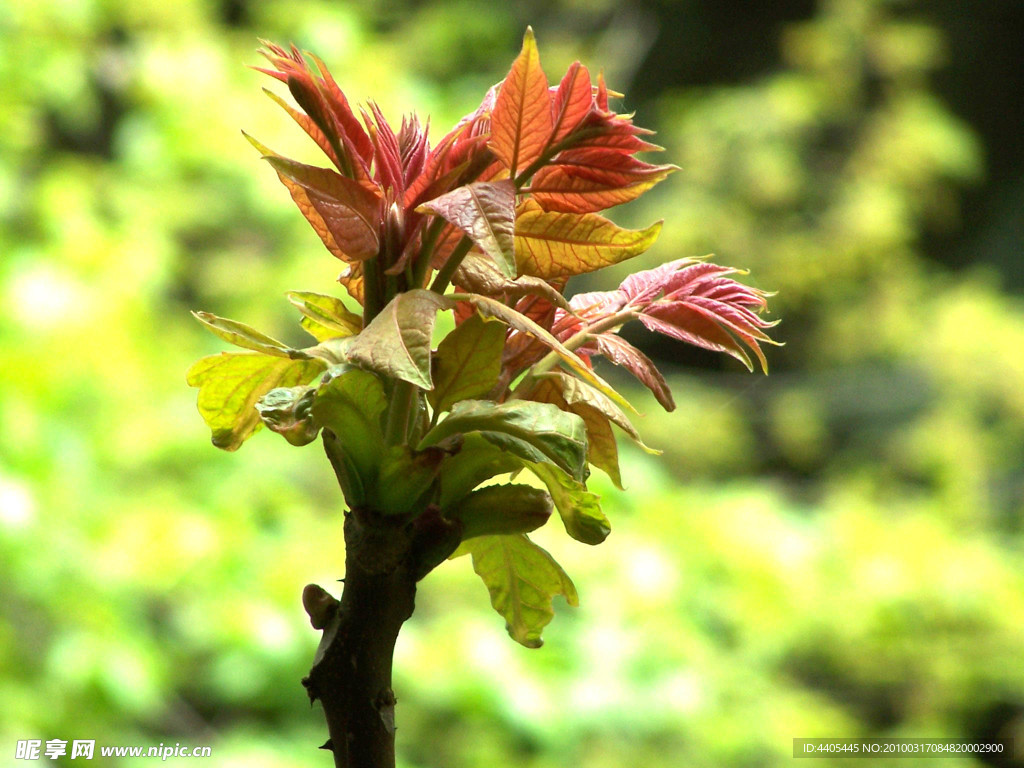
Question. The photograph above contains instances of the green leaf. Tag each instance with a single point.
(523, 580)
(521, 322)
(404, 478)
(536, 432)
(351, 406)
(485, 211)
(241, 335)
(325, 317)
(286, 410)
(501, 509)
(579, 508)
(397, 342)
(230, 383)
(468, 362)
(602, 450)
(478, 460)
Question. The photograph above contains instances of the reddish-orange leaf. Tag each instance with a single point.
(573, 101)
(349, 210)
(352, 279)
(521, 121)
(588, 180)
(307, 124)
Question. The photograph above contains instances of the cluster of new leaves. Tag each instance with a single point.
(490, 222)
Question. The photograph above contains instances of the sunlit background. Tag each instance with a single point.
(832, 550)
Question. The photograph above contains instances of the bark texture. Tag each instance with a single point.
(351, 674)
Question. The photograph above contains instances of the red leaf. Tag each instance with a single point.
(485, 211)
(325, 103)
(387, 155)
(307, 124)
(621, 352)
(521, 122)
(572, 103)
(414, 148)
(672, 277)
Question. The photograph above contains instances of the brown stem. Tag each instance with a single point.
(351, 675)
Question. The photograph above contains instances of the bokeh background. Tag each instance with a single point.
(836, 549)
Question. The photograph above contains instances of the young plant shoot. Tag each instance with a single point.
(489, 223)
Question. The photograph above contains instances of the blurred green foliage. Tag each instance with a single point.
(835, 550)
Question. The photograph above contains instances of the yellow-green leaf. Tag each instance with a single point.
(351, 407)
(552, 244)
(230, 384)
(602, 450)
(522, 580)
(468, 362)
(579, 508)
(325, 317)
(241, 335)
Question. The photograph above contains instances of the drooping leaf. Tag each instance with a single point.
(694, 301)
(702, 327)
(348, 209)
(579, 509)
(478, 274)
(230, 383)
(537, 432)
(551, 244)
(521, 322)
(477, 461)
(501, 510)
(577, 392)
(523, 580)
(325, 317)
(521, 121)
(602, 450)
(396, 343)
(486, 212)
(241, 335)
(350, 406)
(621, 352)
(681, 276)
(467, 362)
(352, 278)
